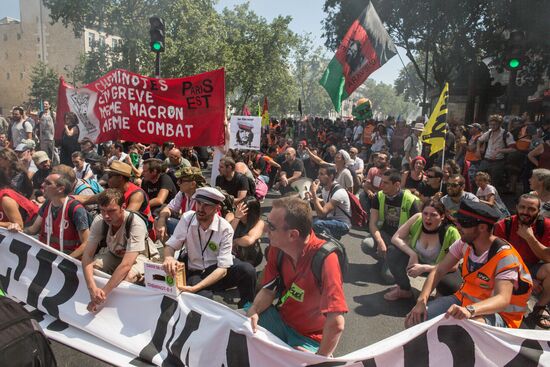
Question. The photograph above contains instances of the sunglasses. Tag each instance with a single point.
(272, 228)
(453, 184)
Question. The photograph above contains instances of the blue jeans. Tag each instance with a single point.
(333, 227)
(271, 320)
(440, 305)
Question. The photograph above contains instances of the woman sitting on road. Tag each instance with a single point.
(430, 237)
(411, 179)
(248, 229)
(14, 207)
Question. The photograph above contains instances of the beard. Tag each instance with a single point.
(526, 219)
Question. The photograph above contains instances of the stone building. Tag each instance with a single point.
(32, 38)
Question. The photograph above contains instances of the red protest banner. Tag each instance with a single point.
(125, 106)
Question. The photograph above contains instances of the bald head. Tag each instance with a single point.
(241, 168)
(290, 154)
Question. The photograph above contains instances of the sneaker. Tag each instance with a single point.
(368, 242)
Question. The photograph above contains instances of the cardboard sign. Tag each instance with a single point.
(156, 278)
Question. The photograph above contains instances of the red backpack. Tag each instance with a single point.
(359, 217)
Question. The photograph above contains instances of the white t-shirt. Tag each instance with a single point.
(345, 179)
(342, 211)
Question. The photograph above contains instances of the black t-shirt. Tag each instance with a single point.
(164, 182)
(290, 167)
(311, 168)
(238, 183)
(39, 177)
(392, 212)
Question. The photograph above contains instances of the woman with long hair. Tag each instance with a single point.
(248, 228)
(69, 139)
(15, 172)
(420, 244)
(14, 207)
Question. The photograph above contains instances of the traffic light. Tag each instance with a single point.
(157, 34)
(514, 57)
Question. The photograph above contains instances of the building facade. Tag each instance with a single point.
(31, 39)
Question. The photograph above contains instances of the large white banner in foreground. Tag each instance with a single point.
(139, 325)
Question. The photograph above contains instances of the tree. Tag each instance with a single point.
(408, 83)
(385, 100)
(44, 84)
(457, 33)
(309, 65)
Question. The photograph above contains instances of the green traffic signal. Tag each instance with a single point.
(513, 63)
(157, 46)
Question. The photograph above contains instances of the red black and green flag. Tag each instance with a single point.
(365, 47)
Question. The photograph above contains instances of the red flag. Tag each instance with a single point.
(125, 106)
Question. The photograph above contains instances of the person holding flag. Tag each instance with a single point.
(436, 129)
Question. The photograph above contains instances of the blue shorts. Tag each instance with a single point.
(440, 305)
(271, 320)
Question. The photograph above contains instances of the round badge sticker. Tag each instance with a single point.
(169, 280)
(212, 246)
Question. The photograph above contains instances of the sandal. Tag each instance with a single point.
(397, 293)
(540, 316)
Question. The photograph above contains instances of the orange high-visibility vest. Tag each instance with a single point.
(479, 285)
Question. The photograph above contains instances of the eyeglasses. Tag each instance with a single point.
(272, 228)
(454, 184)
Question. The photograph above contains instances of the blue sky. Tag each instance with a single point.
(307, 16)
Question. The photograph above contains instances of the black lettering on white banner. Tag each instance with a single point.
(460, 344)
(20, 250)
(168, 308)
(528, 356)
(332, 364)
(416, 352)
(67, 291)
(192, 323)
(236, 352)
(42, 277)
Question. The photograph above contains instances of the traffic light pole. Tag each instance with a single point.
(157, 65)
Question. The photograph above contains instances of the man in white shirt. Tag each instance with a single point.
(498, 142)
(334, 214)
(208, 239)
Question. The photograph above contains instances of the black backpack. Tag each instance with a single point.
(332, 245)
(22, 341)
(539, 227)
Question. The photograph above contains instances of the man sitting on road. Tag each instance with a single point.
(391, 208)
(291, 170)
(234, 183)
(455, 195)
(308, 317)
(530, 236)
(124, 247)
(208, 239)
(334, 213)
(189, 179)
(158, 185)
(373, 181)
(62, 222)
(497, 283)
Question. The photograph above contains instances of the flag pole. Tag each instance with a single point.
(442, 163)
(408, 75)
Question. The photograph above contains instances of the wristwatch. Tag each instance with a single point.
(472, 310)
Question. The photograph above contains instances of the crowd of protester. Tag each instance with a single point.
(443, 216)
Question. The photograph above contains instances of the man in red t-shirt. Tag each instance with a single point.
(531, 238)
(307, 317)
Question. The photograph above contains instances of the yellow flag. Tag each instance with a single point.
(435, 130)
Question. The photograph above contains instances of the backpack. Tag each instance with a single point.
(127, 228)
(228, 204)
(261, 189)
(22, 341)
(332, 245)
(539, 227)
(359, 216)
(90, 183)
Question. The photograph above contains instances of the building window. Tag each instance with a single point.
(18, 36)
(102, 41)
(91, 40)
(39, 57)
(38, 39)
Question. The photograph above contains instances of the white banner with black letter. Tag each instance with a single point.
(138, 325)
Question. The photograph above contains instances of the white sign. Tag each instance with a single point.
(156, 278)
(245, 132)
(138, 324)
